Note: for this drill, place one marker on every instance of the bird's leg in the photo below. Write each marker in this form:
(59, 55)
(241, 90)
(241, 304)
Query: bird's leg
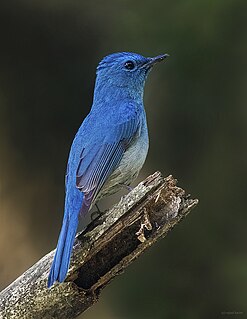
(96, 214)
(98, 209)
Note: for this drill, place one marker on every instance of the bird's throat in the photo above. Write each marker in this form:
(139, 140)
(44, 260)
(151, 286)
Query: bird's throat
(111, 92)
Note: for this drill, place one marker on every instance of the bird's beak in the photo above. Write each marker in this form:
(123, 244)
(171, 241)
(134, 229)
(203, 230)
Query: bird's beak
(154, 60)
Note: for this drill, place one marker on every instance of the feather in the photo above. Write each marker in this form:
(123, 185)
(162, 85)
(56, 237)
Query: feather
(98, 161)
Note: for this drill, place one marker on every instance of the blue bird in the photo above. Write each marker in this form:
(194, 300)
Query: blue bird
(109, 148)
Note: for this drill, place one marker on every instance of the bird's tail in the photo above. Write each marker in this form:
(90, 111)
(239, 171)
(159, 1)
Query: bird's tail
(61, 260)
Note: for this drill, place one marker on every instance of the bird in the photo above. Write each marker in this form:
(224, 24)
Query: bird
(110, 147)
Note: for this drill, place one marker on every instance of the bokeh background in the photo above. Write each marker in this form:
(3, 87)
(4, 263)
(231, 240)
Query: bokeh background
(197, 116)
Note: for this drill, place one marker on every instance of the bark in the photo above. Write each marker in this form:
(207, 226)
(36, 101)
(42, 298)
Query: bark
(101, 252)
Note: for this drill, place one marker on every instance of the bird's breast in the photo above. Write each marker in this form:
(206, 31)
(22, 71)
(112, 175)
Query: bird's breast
(134, 157)
(131, 163)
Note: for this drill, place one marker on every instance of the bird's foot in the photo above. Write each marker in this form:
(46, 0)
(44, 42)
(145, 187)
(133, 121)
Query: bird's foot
(96, 214)
(129, 188)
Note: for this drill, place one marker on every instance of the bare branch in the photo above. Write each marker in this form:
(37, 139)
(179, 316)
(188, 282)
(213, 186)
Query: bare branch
(101, 252)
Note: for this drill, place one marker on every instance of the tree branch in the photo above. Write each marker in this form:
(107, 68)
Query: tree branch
(102, 251)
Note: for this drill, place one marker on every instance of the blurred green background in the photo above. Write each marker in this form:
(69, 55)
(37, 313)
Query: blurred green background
(197, 116)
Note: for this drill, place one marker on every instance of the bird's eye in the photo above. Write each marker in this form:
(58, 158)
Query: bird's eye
(129, 65)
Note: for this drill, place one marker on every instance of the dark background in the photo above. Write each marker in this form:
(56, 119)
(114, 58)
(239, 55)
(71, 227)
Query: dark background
(197, 116)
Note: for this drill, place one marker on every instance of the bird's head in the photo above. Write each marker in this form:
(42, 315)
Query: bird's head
(125, 70)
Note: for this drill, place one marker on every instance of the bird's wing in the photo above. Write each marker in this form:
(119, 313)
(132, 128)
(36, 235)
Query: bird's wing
(99, 159)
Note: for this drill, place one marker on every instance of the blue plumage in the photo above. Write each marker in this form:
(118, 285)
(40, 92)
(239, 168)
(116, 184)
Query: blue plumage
(109, 148)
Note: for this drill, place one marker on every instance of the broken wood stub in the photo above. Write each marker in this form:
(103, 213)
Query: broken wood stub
(148, 220)
(102, 251)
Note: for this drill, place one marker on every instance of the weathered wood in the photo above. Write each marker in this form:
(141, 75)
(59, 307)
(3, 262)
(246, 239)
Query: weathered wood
(101, 252)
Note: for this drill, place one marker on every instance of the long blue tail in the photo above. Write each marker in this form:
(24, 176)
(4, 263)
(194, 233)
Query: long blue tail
(61, 260)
